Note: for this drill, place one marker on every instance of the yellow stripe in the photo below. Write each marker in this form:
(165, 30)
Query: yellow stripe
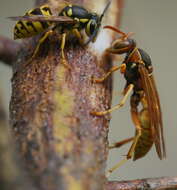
(88, 28)
(44, 12)
(64, 14)
(83, 20)
(19, 26)
(38, 26)
(30, 29)
(29, 12)
(69, 12)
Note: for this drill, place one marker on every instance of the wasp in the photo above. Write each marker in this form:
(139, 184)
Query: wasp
(144, 101)
(71, 19)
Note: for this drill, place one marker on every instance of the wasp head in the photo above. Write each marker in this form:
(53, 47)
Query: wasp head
(94, 24)
(123, 44)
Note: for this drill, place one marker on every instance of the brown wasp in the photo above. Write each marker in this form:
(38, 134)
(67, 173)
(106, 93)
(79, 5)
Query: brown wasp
(137, 70)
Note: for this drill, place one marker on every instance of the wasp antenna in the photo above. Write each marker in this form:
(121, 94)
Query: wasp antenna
(12, 18)
(105, 9)
(116, 30)
(129, 34)
(124, 35)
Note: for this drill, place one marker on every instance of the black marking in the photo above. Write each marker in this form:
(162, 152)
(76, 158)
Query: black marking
(23, 26)
(36, 11)
(80, 12)
(18, 31)
(77, 11)
(47, 9)
(93, 26)
(45, 25)
(32, 26)
(131, 73)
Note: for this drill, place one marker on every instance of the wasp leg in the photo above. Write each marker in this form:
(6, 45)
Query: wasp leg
(116, 167)
(64, 61)
(100, 80)
(136, 121)
(79, 36)
(121, 143)
(41, 40)
(120, 163)
(113, 69)
(122, 102)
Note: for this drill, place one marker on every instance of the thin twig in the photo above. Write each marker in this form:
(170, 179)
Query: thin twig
(162, 183)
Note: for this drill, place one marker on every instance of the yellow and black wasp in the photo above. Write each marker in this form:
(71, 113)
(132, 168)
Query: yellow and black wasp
(71, 19)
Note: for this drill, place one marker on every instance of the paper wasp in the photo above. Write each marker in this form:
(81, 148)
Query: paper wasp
(137, 70)
(71, 19)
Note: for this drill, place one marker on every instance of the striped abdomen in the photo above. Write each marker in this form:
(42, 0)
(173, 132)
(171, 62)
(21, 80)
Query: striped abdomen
(145, 141)
(25, 29)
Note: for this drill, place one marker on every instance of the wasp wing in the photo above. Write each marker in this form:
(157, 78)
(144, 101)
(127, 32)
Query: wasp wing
(42, 18)
(154, 110)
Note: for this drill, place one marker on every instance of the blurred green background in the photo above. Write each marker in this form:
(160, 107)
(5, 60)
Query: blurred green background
(155, 28)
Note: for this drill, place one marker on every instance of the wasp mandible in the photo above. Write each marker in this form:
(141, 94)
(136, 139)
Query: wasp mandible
(137, 70)
(71, 19)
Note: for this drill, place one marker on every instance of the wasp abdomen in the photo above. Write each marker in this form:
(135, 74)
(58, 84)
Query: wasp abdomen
(25, 29)
(145, 141)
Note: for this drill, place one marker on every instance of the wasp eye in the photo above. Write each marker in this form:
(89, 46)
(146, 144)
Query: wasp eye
(91, 26)
(119, 43)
